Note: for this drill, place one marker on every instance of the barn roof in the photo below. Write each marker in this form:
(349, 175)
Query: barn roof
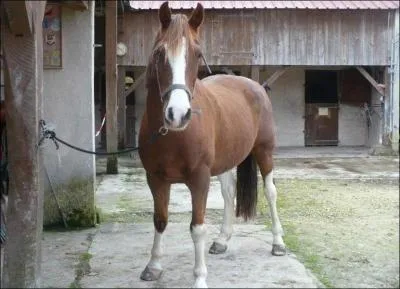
(348, 5)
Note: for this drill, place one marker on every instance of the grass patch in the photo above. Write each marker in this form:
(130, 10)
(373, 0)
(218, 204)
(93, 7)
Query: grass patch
(82, 269)
(76, 200)
(300, 248)
(292, 236)
(330, 224)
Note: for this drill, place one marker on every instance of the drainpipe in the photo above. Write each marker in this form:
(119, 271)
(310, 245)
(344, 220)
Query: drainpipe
(394, 85)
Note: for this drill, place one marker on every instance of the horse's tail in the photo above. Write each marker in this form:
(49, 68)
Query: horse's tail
(246, 188)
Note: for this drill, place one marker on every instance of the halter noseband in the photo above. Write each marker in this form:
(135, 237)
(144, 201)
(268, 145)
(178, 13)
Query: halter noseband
(175, 86)
(163, 95)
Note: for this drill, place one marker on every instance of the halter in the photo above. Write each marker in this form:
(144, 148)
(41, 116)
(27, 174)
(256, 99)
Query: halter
(173, 86)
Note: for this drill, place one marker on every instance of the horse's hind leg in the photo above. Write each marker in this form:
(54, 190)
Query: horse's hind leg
(160, 191)
(228, 183)
(265, 162)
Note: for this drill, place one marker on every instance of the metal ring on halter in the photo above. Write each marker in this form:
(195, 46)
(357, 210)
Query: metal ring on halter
(176, 86)
(163, 130)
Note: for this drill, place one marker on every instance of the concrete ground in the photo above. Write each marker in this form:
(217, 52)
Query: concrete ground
(113, 254)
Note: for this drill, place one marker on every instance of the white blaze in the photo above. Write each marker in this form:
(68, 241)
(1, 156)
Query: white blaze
(179, 100)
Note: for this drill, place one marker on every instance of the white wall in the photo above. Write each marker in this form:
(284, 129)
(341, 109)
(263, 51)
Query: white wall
(68, 104)
(375, 130)
(353, 130)
(287, 97)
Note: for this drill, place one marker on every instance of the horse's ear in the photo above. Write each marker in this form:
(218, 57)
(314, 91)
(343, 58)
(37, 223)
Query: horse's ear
(197, 16)
(164, 13)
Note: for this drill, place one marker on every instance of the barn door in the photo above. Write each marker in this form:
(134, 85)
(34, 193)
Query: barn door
(321, 116)
(321, 124)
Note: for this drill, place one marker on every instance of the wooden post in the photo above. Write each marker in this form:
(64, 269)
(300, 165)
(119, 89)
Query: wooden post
(121, 108)
(111, 85)
(255, 73)
(23, 53)
(387, 109)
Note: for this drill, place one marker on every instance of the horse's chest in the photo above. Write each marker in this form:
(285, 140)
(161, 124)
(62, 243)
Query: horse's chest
(169, 166)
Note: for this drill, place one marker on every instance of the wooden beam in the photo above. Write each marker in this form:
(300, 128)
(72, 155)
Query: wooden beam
(23, 94)
(255, 73)
(19, 15)
(275, 76)
(121, 108)
(137, 82)
(111, 85)
(380, 88)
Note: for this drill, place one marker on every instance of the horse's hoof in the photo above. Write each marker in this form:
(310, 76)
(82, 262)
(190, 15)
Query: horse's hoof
(278, 250)
(150, 274)
(217, 248)
(200, 283)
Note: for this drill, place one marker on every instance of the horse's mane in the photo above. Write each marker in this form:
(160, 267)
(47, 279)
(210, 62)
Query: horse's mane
(172, 36)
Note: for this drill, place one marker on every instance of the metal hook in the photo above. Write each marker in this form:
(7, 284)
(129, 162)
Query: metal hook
(163, 130)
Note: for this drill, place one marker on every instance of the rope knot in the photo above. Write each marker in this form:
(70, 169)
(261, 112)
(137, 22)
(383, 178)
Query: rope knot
(47, 132)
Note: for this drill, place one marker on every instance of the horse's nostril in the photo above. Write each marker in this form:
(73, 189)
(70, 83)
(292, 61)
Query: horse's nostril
(188, 114)
(170, 114)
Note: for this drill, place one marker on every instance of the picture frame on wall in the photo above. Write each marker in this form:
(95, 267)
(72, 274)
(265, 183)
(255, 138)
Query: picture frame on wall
(52, 37)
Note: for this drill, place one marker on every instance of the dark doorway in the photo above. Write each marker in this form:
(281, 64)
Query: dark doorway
(321, 96)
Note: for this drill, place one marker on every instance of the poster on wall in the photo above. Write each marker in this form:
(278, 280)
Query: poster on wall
(52, 46)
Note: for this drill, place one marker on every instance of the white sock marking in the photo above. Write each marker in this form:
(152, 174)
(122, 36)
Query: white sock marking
(271, 195)
(200, 270)
(156, 252)
(228, 191)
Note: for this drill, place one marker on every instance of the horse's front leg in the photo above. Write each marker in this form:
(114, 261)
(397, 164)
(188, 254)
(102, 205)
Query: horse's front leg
(198, 184)
(228, 190)
(160, 191)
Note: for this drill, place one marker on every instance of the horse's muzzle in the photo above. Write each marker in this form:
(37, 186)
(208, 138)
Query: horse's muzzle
(174, 121)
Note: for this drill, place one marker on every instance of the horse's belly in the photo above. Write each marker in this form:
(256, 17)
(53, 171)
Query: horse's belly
(232, 153)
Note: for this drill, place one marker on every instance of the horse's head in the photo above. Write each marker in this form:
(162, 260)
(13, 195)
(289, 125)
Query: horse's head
(174, 64)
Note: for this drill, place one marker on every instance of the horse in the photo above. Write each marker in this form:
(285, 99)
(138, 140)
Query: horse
(203, 128)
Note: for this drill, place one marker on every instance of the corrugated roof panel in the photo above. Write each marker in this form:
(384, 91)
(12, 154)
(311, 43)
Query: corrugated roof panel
(258, 4)
(299, 4)
(329, 5)
(150, 5)
(375, 4)
(384, 3)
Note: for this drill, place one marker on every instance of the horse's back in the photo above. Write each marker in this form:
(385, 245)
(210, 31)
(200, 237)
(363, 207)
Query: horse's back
(245, 92)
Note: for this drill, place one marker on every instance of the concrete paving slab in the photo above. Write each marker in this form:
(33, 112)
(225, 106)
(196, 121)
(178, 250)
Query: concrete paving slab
(121, 251)
(60, 256)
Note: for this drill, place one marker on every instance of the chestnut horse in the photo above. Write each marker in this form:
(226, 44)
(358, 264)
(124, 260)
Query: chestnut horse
(233, 127)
